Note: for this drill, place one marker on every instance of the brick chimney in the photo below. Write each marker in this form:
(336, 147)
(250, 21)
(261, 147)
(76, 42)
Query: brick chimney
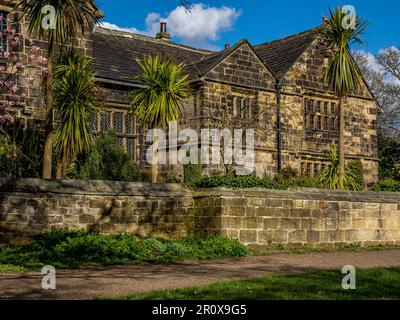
(227, 46)
(163, 34)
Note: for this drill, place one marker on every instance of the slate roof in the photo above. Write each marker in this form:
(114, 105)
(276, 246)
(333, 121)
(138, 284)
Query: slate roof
(280, 55)
(115, 53)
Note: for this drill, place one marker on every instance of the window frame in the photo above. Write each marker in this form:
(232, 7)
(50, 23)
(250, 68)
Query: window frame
(123, 136)
(319, 114)
(3, 26)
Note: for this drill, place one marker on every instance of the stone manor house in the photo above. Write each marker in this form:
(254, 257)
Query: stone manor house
(245, 85)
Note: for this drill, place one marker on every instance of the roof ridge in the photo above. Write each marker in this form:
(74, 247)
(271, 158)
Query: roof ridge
(132, 35)
(289, 37)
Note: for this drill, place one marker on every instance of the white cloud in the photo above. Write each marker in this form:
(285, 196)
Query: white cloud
(200, 27)
(374, 64)
(108, 25)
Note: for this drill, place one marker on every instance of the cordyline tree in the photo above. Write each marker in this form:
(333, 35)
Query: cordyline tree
(75, 92)
(159, 102)
(71, 18)
(12, 72)
(342, 73)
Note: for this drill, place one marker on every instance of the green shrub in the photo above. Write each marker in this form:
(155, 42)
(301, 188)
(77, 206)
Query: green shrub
(329, 178)
(356, 167)
(21, 152)
(65, 249)
(389, 156)
(192, 172)
(289, 173)
(235, 182)
(108, 161)
(281, 182)
(388, 185)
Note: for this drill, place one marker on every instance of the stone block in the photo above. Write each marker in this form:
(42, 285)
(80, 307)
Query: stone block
(252, 223)
(313, 236)
(300, 213)
(351, 235)
(360, 223)
(271, 223)
(87, 218)
(237, 211)
(297, 236)
(268, 237)
(290, 223)
(337, 236)
(255, 202)
(248, 236)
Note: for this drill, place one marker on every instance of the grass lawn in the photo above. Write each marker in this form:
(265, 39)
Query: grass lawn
(68, 250)
(372, 284)
(7, 268)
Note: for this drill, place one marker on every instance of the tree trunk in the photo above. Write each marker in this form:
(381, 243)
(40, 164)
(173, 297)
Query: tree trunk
(48, 143)
(154, 165)
(59, 173)
(342, 160)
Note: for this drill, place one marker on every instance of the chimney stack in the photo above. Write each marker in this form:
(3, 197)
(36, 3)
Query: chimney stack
(163, 34)
(227, 46)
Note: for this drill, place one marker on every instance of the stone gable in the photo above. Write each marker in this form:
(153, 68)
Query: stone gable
(243, 68)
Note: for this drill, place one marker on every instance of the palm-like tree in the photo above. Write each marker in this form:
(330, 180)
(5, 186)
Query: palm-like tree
(342, 73)
(159, 102)
(74, 92)
(72, 17)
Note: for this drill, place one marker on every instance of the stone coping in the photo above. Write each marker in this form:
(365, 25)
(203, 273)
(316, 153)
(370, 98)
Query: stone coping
(107, 188)
(120, 188)
(304, 194)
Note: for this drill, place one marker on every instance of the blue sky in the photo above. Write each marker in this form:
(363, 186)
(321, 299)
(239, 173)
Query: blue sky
(217, 22)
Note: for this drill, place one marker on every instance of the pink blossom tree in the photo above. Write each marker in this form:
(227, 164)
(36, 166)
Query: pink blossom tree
(14, 80)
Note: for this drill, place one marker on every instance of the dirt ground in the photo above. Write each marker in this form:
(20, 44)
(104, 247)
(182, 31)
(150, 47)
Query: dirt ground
(90, 283)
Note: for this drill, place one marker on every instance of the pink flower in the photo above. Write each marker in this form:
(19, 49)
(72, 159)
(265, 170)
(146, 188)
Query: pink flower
(7, 55)
(42, 60)
(34, 49)
(19, 66)
(45, 71)
(5, 118)
(14, 89)
(22, 97)
(30, 80)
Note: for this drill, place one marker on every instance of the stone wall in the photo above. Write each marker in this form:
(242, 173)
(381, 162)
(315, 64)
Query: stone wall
(316, 218)
(29, 207)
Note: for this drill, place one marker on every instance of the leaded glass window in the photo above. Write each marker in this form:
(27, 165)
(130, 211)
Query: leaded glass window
(3, 27)
(105, 123)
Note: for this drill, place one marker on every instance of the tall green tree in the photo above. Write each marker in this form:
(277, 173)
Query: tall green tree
(342, 73)
(74, 97)
(71, 18)
(159, 101)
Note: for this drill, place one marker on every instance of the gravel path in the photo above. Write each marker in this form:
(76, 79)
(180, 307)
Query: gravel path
(89, 283)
